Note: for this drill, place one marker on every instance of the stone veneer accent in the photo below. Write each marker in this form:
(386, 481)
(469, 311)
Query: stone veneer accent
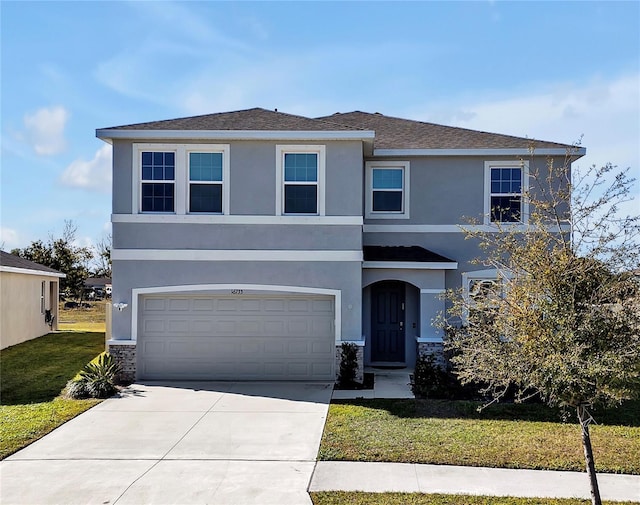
(125, 356)
(360, 358)
(435, 349)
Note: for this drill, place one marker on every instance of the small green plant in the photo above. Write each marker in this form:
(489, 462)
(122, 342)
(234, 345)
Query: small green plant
(348, 365)
(96, 380)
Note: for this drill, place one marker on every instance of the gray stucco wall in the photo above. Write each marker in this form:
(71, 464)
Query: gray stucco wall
(450, 190)
(233, 236)
(253, 176)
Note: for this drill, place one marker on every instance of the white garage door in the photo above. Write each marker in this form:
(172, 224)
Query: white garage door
(238, 337)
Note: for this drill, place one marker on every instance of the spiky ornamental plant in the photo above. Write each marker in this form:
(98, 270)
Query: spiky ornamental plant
(562, 319)
(96, 379)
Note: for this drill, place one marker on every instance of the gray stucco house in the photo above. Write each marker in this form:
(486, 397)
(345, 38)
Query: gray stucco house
(251, 244)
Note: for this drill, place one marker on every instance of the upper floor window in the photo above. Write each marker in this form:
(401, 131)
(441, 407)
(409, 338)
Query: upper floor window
(158, 181)
(181, 178)
(387, 194)
(205, 182)
(505, 185)
(300, 174)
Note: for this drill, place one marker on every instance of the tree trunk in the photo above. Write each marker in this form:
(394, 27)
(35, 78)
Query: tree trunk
(584, 418)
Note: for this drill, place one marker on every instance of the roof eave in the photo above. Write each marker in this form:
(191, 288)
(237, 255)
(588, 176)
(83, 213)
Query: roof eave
(109, 134)
(574, 152)
(30, 271)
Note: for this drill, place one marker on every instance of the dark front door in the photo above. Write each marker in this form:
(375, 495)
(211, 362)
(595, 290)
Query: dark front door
(387, 322)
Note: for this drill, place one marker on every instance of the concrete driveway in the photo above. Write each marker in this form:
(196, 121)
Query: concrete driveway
(178, 443)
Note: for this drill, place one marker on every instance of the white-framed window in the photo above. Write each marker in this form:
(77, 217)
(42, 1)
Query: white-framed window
(505, 184)
(482, 286)
(42, 296)
(300, 180)
(387, 189)
(157, 181)
(206, 182)
(181, 178)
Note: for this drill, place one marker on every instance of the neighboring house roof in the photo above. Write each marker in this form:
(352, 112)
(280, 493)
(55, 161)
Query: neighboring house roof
(16, 264)
(397, 133)
(401, 253)
(97, 282)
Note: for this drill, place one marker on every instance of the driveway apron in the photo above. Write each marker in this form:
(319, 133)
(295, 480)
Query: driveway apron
(178, 443)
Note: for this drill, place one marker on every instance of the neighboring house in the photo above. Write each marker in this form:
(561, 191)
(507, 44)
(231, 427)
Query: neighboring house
(28, 299)
(251, 244)
(98, 286)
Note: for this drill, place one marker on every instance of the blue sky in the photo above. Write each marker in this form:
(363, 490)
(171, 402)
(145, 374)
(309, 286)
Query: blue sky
(550, 70)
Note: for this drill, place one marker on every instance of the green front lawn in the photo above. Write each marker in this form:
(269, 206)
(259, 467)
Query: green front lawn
(33, 375)
(454, 433)
(358, 498)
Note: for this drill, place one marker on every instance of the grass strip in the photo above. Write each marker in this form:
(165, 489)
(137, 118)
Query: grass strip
(454, 433)
(359, 498)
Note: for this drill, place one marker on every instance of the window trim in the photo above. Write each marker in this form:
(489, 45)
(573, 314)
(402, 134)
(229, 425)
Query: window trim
(370, 166)
(181, 176)
(281, 150)
(524, 204)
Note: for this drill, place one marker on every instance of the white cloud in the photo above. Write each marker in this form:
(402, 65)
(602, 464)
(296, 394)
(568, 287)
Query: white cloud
(45, 130)
(606, 113)
(93, 175)
(9, 238)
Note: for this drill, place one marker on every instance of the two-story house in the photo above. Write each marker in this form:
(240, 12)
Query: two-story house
(251, 244)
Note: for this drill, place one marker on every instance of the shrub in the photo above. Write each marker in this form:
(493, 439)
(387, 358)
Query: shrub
(96, 380)
(348, 365)
(429, 379)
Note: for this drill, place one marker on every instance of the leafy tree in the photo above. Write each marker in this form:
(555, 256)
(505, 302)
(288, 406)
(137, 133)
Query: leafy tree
(64, 255)
(562, 318)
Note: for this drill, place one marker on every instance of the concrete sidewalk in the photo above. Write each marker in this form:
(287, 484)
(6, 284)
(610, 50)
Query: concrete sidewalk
(414, 478)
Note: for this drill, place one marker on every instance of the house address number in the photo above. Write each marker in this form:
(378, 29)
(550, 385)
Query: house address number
(237, 291)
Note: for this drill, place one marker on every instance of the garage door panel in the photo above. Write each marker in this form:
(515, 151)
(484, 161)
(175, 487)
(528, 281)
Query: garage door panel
(298, 306)
(274, 305)
(261, 337)
(250, 305)
(202, 304)
(152, 326)
(178, 326)
(153, 304)
(227, 304)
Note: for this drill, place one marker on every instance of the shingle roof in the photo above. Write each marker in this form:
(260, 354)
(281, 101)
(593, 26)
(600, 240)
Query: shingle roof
(249, 119)
(397, 133)
(10, 260)
(402, 253)
(97, 281)
(390, 132)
